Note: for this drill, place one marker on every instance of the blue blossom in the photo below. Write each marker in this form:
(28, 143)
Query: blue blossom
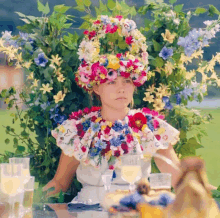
(24, 36)
(121, 137)
(41, 60)
(165, 99)
(117, 126)
(100, 144)
(125, 126)
(178, 99)
(54, 112)
(105, 19)
(132, 200)
(45, 105)
(30, 40)
(165, 200)
(86, 125)
(115, 142)
(114, 175)
(186, 92)
(150, 125)
(94, 151)
(166, 53)
(54, 108)
(95, 127)
(6, 35)
(149, 117)
(168, 106)
(60, 118)
(127, 131)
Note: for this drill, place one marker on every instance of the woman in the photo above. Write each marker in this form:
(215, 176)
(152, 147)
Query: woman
(93, 140)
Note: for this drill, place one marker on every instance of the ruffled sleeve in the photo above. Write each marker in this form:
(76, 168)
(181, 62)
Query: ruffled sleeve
(158, 134)
(69, 140)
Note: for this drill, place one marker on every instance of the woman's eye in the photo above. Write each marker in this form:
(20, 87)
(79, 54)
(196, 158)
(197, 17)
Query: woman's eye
(111, 82)
(128, 81)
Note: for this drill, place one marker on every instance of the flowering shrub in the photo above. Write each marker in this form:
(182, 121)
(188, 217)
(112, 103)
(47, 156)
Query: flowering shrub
(51, 59)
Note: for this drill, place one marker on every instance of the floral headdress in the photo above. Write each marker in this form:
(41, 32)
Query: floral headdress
(112, 47)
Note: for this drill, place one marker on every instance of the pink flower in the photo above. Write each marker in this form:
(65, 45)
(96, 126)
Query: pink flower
(158, 137)
(129, 64)
(92, 34)
(146, 110)
(129, 138)
(119, 55)
(125, 74)
(84, 77)
(156, 124)
(129, 40)
(119, 17)
(97, 22)
(112, 75)
(161, 117)
(117, 153)
(111, 167)
(154, 113)
(114, 29)
(108, 28)
(86, 110)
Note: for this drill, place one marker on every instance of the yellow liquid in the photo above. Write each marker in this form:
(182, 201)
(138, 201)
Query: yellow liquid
(131, 173)
(28, 198)
(25, 172)
(9, 185)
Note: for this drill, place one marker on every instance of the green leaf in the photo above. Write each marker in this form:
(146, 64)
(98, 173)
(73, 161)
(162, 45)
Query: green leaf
(15, 141)
(98, 12)
(157, 62)
(79, 2)
(61, 197)
(87, 3)
(20, 14)
(61, 8)
(133, 11)
(157, 46)
(45, 9)
(200, 10)
(111, 4)
(213, 10)
(218, 190)
(7, 141)
(172, 1)
(147, 22)
(178, 8)
(85, 25)
(102, 7)
(80, 8)
(21, 148)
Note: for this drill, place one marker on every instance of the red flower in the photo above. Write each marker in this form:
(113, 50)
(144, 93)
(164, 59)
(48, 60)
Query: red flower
(156, 124)
(73, 115)
(138, 120)
(119, 55)
(107, 130)
(143, 73)
(129, 64)
(83, 148)
(129, 40)
(97, 22)
(146, 110)
(108, 28)
(92, 34)
(99, 135)
(79, 127)
(84, 64)
(114, 29)
(125, 74)
(124, 146)
(117, 153)
(93, 109)
(107, 149)
(158, 137)
(121, 63)
(129, 138)
(79, 114)
(81, 133)
(142, 148)
(111, 167)
(93, 118)
(86, 110)
(119, 17)
(86, 32)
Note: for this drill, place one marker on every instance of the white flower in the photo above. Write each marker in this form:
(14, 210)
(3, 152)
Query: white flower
(208, 22)
(171, 14)
(176, 21)
(6, 35)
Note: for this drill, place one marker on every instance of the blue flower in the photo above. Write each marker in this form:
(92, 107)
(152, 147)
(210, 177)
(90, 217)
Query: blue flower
(45, 105)
(117, 126)
(60, 118)
(105, 19)
(24, 36)
(127, 131)
(149, 117)
(86, 125)
(166, 52)
(168, 106)
(6, 35)
(100, 144)
(132, 200)
(178, 99)
(115, 142)
(150, 125)
(54, 109)
(94, 151)
(165, 200)
(186, 92)
(41, 60)
(165, 99)
(121, 137)
(114, 175)
(95, 127)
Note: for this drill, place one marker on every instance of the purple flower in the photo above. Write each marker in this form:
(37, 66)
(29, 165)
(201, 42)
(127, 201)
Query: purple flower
(168, 105)
(86, 125)
(178, 99)
(41, 60)
(115, 142)
(166, 53)
(24, 36)
(60, 118)
(117, 126)
(186, 92)
(100, 144)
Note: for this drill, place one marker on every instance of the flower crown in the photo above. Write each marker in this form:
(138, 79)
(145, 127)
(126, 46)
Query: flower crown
(112, 47)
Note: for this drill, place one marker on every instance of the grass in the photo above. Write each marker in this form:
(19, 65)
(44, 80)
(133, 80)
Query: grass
(210, 152)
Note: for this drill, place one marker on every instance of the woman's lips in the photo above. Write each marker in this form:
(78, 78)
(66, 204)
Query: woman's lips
(121, 98)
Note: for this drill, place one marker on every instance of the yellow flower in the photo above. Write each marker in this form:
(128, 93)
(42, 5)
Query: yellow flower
(148, 97)
(18, 66)
(46, 88)
(150, 74)
(62, 129)
(143, 127)
(59, 97)
(102, 76)
(6, 100)
(27, 64)
(31, 75)
(66, 90)
(35, 82)
(113, 62)
(158, 104)
(169, 68)
(151, 89)
(161, 131)
(56, 60)
(60, 78)
(109, 123)
(1, 42)
(98, 119)
(103, 127)
(168, 36)
(19, 57)
(190, 74)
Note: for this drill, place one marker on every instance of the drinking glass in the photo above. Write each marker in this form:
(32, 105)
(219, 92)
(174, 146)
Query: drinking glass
(131, 169)
(11, 185)
(160, 181)
(107, 179)
(26, 166)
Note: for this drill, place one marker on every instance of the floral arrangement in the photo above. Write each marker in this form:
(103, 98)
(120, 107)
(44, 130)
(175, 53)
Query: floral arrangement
(89, 137)
(101, 52)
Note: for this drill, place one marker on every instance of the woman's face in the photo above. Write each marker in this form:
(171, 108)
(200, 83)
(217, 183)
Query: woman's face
(117, 93)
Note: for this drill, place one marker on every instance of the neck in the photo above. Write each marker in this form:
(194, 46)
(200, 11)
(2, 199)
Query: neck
(113, 114)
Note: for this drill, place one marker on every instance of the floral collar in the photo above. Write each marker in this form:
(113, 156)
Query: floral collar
(103, 139)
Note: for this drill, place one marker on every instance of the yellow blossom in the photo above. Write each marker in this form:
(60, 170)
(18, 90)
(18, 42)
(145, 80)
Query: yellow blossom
(158, 69)
(169, 68)
(190, 74)
(18, 66)
(62, 129)
(56, 59)
(148, 97)
(113, 62)
(198, 54)
(204, 77)
(31, 75)
(19, 57)
(143, 127)
(102, 76)
(168, 36)
(150, 74)
(59, 97)
(103, 127)
(161, 131)
(60, 78)
(109, 123)
(27, 64)
(98, 119)
(65, 90)
(1, 42)
(158, 104)
(151, 89)
(35, 82)
(57, 71)
(46, 88)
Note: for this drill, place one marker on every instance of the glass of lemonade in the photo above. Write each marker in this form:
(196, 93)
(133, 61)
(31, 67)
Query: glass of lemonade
(29, 192)
(12, 186)
(131, 169)
(26, 166)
